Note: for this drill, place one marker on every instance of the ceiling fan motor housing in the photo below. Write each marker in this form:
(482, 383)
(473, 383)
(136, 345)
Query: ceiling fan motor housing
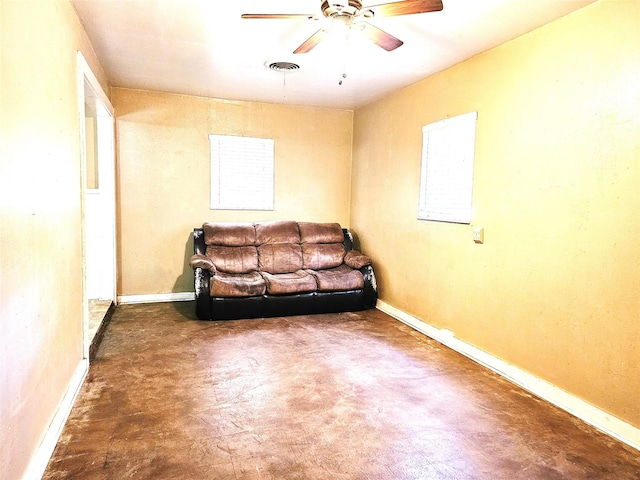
(335, 9)
(345, 14)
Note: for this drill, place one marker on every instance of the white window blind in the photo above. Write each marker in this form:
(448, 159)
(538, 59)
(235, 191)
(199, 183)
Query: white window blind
(446, 177)
(241, 173)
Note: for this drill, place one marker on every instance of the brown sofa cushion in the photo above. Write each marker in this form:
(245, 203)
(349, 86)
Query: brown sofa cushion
(229, 234)
(296, 282)
(280, 258)
(234, 259)
(355, 259)
(237, 285)
(339, 278)
(277, 232)
(323, 255)
(320, 232)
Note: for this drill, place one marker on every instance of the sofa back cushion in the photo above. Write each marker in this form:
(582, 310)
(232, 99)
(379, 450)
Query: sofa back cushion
(234, 259)
(229, 234)
(319, 256)
(280, 257)
(277, 232)
(320, 232)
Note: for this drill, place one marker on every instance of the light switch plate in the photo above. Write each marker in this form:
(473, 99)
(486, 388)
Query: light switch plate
(478, 235)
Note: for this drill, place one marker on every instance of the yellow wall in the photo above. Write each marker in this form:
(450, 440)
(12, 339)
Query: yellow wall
(163, 176)
(40, 220)
(555, 289)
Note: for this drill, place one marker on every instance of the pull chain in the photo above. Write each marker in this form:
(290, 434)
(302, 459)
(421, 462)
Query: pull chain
(343, 56)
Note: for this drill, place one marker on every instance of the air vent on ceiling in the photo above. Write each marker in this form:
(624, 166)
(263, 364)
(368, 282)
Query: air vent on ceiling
(283, 66)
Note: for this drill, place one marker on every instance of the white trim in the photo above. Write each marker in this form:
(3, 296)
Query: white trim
(95, 84)
(590, 414)
(107, 172)
(157, 298)
(82, 68)
(40, 459)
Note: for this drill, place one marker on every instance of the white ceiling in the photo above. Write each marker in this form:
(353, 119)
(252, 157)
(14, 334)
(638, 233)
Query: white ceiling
(204, 48)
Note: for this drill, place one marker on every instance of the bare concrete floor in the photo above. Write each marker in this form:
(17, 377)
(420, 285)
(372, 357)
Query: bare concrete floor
(338, 396)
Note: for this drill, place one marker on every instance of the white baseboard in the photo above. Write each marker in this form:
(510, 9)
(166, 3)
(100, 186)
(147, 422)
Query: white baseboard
(158, 297)
(594, 416)
(40, 460)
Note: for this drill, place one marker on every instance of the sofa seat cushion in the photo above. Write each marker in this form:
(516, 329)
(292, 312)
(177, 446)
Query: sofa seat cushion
(233, 259)
(237, 285)
(296, 282)
(339, 278)
(280, 258)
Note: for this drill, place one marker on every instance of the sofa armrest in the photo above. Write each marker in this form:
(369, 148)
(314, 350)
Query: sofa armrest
(202, 261)
(356, 260)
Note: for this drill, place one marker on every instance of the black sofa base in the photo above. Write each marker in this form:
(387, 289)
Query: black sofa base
(285, 305)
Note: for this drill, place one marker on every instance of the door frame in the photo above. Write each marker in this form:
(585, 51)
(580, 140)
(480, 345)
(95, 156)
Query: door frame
(85, 74)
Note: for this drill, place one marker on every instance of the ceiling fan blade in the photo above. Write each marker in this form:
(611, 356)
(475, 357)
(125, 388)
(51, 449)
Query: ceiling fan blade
(311, 42)
(279, 15)
(406, 7)
(381, 38)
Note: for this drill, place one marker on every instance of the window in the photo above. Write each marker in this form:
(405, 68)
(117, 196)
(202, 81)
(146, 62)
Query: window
(446, 177)
(241, 173)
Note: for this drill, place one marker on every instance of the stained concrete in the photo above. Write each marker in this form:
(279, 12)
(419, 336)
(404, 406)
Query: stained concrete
(337, 396)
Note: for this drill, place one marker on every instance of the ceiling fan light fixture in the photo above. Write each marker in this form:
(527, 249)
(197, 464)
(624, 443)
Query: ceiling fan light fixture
(339, 8)
(343, 14)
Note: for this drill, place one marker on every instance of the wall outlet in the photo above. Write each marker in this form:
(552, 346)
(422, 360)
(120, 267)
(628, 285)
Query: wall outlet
(478, 235)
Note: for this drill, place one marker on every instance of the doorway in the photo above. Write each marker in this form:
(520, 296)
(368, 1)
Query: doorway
(99, 206)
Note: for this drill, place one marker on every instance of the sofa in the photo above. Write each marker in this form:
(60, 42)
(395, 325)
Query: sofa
(268, 269)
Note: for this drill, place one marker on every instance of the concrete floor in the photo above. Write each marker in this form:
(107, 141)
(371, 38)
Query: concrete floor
(337, 396)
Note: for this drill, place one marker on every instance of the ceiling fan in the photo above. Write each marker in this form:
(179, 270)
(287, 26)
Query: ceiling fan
(351, 14)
